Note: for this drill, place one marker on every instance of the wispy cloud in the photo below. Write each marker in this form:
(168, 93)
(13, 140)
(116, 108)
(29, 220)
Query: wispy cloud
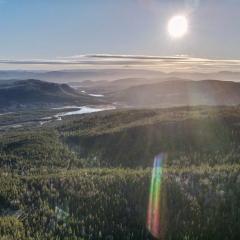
(117, 56)
(161, 63)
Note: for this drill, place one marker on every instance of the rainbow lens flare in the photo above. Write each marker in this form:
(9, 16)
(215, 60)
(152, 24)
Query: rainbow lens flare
(153, 214)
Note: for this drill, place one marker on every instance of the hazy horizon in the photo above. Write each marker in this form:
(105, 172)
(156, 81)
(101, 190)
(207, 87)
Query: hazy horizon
(138, 62)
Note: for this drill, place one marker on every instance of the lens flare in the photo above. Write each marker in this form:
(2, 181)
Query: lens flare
(153, 214)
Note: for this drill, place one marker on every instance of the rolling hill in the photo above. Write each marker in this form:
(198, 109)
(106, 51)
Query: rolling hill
(32, 93)
(180, 93)
(81, 177)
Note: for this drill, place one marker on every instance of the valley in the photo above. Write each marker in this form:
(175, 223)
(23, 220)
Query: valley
(78, 162)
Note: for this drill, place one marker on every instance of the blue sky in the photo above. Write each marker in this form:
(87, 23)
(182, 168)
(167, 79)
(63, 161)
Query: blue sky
(49, 29)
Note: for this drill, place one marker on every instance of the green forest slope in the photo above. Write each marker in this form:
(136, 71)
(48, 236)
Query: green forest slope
(88, 176)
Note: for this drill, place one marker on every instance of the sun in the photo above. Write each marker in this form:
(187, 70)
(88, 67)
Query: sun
(178, 26)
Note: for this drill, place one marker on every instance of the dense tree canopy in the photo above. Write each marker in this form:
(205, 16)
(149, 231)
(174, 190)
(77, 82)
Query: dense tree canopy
(89, 177)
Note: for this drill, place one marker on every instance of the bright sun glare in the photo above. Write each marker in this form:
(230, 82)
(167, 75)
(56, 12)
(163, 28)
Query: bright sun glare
(177, 26)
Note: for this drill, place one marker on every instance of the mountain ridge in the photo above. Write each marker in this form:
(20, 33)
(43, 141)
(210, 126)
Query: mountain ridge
(80, 75)
(181, 93)
(37, 93)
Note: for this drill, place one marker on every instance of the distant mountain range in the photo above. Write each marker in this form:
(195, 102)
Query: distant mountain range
(180, 93)
(32, 93)
(127, 92)
(65, 76)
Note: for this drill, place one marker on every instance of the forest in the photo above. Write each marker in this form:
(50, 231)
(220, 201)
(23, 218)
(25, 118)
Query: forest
(91, 176)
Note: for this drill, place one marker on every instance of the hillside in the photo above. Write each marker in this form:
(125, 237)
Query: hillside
(32, 93)
(180, 93)
(131, 138)
(81, 177)
(126, 138)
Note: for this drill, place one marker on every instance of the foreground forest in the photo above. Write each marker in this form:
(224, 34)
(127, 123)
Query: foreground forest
(89, 176)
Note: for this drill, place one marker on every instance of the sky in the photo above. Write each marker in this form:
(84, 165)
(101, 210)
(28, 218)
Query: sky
(68, 30)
